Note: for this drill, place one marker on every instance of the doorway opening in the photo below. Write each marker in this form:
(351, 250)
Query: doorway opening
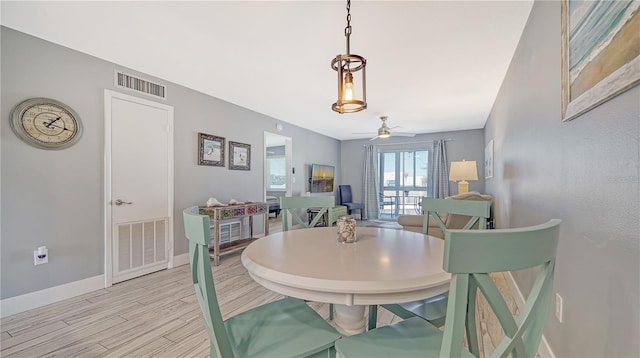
(278, 170)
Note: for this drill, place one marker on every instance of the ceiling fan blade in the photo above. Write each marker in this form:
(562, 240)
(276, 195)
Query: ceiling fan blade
(401, 134)
(386, 131)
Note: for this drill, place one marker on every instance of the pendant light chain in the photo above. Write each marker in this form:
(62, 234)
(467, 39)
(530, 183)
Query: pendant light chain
(347, 30)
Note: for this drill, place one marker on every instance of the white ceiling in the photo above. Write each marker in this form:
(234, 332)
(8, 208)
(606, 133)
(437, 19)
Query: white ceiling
(432, 66)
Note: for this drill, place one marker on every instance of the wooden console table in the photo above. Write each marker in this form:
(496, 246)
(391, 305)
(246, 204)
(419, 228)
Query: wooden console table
(219, 213)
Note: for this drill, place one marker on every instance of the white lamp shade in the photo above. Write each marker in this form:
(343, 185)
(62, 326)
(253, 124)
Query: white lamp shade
(464, 170)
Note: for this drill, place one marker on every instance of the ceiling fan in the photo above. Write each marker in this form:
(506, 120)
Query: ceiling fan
(385, 132)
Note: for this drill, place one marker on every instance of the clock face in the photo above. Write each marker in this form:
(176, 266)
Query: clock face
(46, 123)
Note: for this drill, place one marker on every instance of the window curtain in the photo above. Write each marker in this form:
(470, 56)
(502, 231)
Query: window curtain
(440, 172)
(370, 185)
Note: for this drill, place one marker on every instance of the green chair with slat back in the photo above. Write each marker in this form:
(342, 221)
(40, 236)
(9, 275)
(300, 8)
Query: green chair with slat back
(477, 212)
(284, 328)
(470, 255)
(434, 309)
(294, 204)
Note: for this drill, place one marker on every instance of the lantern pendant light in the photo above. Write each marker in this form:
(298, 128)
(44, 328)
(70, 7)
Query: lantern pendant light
(349, 68)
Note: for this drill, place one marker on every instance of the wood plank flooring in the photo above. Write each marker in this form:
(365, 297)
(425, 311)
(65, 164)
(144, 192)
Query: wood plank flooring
(156, 315)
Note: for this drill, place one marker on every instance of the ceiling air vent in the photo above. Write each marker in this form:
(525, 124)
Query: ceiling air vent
(137, 84)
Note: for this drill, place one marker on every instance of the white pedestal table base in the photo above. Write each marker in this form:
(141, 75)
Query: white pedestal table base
(350, 320)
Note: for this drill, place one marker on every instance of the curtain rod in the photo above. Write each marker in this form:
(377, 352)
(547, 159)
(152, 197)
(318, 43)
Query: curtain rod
(418, 142)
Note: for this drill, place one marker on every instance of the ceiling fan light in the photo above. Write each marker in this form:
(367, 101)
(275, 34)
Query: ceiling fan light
(384, 132)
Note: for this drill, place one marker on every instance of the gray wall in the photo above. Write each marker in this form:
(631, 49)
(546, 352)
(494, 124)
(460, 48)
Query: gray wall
(55, 198)
(585, 172)
(467, 145)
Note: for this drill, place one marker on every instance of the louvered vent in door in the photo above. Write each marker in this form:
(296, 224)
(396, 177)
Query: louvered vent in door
(141, 248)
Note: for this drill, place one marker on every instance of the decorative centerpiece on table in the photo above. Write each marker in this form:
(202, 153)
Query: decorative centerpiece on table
(346, 229)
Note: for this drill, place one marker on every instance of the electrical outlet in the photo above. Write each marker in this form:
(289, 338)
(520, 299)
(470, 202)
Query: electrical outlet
(41, 256)
(559, 307)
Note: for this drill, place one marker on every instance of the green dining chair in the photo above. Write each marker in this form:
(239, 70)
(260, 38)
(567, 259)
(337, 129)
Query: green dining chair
(284, 328)
(470, 255)
(434, 309)
(295, 204)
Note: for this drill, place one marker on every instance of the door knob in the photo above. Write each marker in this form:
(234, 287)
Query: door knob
(120, 202)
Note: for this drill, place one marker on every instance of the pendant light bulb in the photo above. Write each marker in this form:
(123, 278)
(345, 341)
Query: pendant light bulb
(348, 87)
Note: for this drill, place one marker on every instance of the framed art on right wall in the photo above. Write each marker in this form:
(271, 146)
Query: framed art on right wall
(600, 52)
(488, 160)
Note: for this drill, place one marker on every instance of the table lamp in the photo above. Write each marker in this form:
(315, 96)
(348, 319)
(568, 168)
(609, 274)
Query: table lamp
(461, 172)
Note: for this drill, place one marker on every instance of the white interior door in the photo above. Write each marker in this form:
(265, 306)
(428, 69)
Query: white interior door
(139, 193)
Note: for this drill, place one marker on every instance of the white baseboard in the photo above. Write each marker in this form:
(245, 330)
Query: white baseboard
(12, 305)
(180, 260)
(544, 350)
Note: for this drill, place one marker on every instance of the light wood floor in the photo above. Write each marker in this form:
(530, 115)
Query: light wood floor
(156, 315)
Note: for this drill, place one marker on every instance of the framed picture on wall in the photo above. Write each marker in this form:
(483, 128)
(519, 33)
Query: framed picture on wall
(600, 52)
(210, 150)
(488, 160)
(239, 156)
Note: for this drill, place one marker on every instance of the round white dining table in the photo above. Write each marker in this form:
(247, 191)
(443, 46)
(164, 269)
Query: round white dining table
(382, 266)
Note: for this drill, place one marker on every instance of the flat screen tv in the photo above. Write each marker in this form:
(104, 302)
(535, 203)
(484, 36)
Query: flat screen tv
(322, 178)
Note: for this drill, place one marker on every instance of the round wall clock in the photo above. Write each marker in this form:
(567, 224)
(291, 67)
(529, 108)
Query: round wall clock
(46, 123)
